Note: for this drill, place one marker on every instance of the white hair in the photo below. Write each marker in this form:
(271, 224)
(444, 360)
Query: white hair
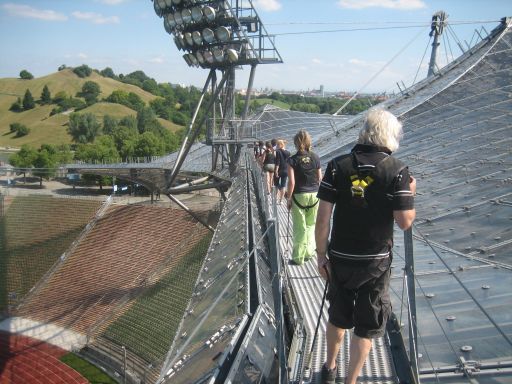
(381, 128)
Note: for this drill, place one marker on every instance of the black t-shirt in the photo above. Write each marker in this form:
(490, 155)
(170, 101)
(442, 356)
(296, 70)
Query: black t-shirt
(305, 167)
(270, 158)
(365, 231)
(282, 156)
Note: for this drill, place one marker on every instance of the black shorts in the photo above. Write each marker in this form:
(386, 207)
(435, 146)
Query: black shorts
(359, 296)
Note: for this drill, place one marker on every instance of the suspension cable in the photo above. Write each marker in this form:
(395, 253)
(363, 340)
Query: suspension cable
(379, 72)
(421, 62)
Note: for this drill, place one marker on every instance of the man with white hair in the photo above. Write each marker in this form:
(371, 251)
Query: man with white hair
(368, 190)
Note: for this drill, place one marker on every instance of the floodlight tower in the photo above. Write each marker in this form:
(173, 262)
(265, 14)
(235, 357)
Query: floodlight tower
(218, 35)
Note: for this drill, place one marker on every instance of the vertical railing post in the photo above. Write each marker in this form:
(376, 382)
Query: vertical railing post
(411, 295)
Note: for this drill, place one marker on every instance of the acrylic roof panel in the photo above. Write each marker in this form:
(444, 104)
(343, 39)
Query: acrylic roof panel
(458, 145)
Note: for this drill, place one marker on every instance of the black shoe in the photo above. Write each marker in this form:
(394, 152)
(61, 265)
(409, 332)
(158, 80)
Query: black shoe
(328, 376)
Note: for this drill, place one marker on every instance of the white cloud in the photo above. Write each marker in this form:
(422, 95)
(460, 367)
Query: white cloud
(33, 13)
(82, 55)
(96, 18)
(391, 4)
(157, 60)
(267, 5)
(316, 61)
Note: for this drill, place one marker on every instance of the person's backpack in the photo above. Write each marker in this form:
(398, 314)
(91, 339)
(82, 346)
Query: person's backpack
(307, 168)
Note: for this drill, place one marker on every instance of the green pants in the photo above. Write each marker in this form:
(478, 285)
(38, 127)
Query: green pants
(304, 227)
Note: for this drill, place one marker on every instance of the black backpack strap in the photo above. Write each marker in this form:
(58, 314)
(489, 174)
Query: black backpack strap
(306, 208)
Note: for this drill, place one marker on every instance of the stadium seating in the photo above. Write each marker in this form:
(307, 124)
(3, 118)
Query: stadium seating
(34, 232)
(111, 265)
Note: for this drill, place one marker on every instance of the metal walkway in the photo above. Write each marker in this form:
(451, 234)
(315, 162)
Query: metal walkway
(308, 287)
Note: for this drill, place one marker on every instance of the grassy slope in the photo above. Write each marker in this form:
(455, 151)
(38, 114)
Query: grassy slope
(52, 129)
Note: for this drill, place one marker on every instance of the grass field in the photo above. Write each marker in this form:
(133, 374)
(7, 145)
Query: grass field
(277, 103)
(87, 370)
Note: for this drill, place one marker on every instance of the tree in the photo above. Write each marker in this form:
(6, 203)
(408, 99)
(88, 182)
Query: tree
(45, 163)
(17, 106)
(83, 128)
(90, 92)
(61, 67)
(148, 144)
(82, 71)
(145, 116)
(26, 75)
(108, 72)
(109, 124)
(28, 101)
(103, 150)
(124, 139)
(151, 86)
(19, 129)
(24, 158)
(46, 96)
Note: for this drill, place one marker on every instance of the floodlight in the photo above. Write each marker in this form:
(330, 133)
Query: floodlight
(176, 1)
(178, 40)
(158, 8)
(177, 18)
(168, 3)
(200, 57)
(181, 41)
(193, 59)
(197, 37)
(187, 59)
(197, 14)
(170, 20)
(208, 56)
(218, 55)
(208, 35)
(167, 27)
(209, 13)
(188, 38)
(232, 55)
(222, 34)
(186, 15)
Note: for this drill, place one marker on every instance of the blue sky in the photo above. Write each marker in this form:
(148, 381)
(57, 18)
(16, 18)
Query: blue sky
(127, 35)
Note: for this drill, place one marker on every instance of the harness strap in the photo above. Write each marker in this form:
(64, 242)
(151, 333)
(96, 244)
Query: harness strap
(306, 208)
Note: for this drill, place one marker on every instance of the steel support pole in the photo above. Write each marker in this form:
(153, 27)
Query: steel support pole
(411, 294)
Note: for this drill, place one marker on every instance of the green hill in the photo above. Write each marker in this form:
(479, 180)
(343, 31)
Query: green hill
(52, 129)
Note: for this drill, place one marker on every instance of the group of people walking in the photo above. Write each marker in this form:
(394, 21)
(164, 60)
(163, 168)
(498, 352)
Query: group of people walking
(363, 192)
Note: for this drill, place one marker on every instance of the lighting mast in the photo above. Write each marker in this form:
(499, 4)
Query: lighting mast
(438, 23)
(220, 36)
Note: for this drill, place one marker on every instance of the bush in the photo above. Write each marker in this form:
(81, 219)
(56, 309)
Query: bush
(82, 71)
(179, 118)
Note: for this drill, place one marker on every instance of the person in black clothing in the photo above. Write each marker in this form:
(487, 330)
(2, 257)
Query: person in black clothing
(269, 164)
(369, 190)
(281, 171)
(305, 173)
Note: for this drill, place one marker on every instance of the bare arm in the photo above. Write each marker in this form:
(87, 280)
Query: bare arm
(322, 229)
(404, 219)
(291, 186)
(319, 174)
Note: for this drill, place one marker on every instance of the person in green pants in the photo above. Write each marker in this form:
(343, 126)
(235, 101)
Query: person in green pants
(304, 176)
